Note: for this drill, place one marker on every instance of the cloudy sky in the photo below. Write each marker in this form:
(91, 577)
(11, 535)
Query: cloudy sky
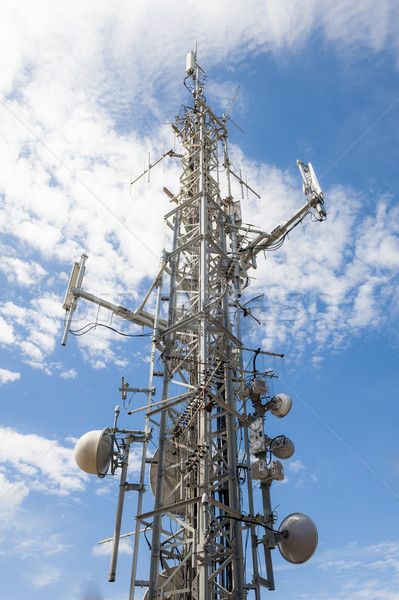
(87, 90)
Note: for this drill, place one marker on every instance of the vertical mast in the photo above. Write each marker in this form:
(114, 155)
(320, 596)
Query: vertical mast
(198, 351)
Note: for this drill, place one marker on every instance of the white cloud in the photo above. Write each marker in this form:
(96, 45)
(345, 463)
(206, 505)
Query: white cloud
(70, 374)
(12, 495)
(362, 572)
(32, 352)
(382, 555)
(36, 325)
(295, 465)
(23, 273)
(7, 335)
(297, 474)
(42, 464)
(43, 546)
(354, 572)
(105, 549)
(7, 376)
(45, 575)
(373, 33)
(104, 490)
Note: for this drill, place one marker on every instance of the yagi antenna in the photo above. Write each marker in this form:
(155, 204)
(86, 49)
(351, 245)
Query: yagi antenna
(170, 153)
(231, 102)
(225, 116)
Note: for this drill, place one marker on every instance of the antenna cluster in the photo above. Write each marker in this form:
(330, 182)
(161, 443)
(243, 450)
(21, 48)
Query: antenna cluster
(214, 464)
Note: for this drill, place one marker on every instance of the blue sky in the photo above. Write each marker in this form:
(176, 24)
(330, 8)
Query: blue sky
(85, 90)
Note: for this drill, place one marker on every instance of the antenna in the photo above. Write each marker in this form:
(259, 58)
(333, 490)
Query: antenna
(298, 538)
(98, 451)
(72, 294)
(312, 189)
(231, 102)
(209, 492)
(147, 170)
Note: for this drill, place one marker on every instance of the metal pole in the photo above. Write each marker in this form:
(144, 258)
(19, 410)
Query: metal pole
(147, 430)
(157, 524)
(202, 357)
(119, 509)
(237, 288)
(268, 542)
(234, 497)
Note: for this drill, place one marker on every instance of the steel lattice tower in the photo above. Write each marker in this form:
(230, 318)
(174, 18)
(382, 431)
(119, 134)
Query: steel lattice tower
(200, 341)
(202, 481)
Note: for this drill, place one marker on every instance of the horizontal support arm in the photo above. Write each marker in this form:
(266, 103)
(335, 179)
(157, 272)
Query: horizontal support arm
(139, 317)
(315, 201)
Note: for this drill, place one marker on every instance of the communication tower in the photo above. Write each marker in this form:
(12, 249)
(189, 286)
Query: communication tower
(208, 421)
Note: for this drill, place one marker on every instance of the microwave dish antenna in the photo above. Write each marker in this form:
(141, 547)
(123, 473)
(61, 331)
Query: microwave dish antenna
(282, 447)
(280, 405)
(299, 538)
(93, 452)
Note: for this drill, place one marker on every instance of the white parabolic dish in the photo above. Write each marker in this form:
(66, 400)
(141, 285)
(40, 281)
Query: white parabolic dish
(93, 452)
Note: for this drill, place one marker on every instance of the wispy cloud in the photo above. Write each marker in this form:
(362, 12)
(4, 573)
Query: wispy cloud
(105, 549)
(70, 374)
(19, 272)
(39, 463)
(7, 376)
(45, 575)
(12, 495)
(362, 572)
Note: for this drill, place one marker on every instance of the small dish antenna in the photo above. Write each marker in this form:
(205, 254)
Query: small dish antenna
(93, 452)
(298, 538)
(281, 405)
(282, 447)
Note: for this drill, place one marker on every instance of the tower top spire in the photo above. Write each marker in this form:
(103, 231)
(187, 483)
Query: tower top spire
(196, 74)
